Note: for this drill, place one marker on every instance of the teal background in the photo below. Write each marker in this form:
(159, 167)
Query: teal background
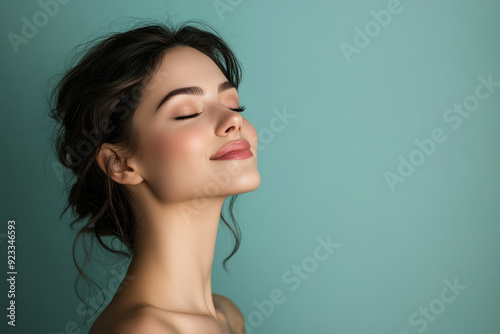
(322, 173)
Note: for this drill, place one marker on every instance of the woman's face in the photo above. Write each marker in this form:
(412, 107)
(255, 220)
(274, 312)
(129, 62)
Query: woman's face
(176, 153)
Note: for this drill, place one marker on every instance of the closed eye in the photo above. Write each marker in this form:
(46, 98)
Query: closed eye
(239, 109)
(180, 118)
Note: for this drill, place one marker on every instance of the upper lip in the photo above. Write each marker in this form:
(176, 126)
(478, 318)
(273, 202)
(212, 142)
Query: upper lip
(237, 145)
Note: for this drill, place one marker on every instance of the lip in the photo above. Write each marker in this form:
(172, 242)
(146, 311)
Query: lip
(239, 149)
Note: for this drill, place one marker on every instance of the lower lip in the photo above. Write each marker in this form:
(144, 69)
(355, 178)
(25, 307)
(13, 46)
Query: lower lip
(236, 155)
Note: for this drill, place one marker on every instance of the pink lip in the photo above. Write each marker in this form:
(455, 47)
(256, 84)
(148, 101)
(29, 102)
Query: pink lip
(234, 150)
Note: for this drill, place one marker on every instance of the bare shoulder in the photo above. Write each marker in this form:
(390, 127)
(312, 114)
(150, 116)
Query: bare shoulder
(138, 322)
(232, 312)
(144, 323)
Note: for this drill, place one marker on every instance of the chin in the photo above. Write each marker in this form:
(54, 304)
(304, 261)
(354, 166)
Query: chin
(244, 183)
(250, 183)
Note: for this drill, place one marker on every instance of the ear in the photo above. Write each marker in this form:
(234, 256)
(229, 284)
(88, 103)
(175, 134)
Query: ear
(121, 169)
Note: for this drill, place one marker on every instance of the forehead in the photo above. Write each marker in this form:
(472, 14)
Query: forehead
(184, 65)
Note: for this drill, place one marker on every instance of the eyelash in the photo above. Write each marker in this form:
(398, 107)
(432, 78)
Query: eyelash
(239, 109)
(180, 118)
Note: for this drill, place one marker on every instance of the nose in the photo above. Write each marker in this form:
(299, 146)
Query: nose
(230, 122)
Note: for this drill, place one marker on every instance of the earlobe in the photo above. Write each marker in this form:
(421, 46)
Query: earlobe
(121, 170)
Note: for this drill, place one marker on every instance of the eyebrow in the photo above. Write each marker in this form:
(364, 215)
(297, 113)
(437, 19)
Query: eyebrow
(193, 91)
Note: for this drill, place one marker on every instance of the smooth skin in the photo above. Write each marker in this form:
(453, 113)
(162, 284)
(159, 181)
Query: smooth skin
(178, 201)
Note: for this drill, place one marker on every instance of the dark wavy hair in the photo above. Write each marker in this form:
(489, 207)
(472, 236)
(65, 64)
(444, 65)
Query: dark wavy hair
(94, 103)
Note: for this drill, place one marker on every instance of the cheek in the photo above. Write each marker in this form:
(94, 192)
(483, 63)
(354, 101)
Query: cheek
(182, 146)
(175, 160)
(175, 151)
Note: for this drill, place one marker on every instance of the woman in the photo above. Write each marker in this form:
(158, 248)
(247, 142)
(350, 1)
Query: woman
(151, 126)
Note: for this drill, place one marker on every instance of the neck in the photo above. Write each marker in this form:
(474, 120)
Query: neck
(173, 254)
